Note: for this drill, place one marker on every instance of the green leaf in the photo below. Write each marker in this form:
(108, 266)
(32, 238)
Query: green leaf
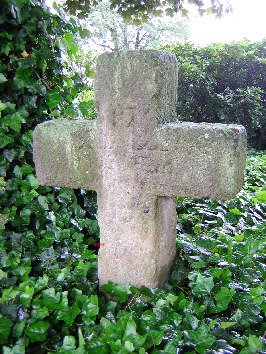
(74, 49)
(203, 285)
(69, 344)
(156, 336)
(6, 35)
(5, 327)
(53, 99)
(89, 306)
(32, 181)
(251, 247)
(5, 139)
(10, 154)
(70, 111)
(18, 329)
(202, 338)
(14, 121)
(54, 301)
(43, 202)
(69, 38)
(223, 297)
(69, 314)
(84, 108)
(235, 211)
(26, 296)
(2, 274)
(2, 78)
(125, 330)
(2, 106)
(121, 291)
(261, 198)
(263, 308)
(253, 345)
(256, 295)
(16, 349)
(25, 168)
(81, 338)
(43, 64)
(227, 324)
(25, 216)
(37, 331)
(39, 313)
(84, 32)
(190, 322)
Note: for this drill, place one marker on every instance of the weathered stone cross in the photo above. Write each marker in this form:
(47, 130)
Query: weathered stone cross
(138, 159)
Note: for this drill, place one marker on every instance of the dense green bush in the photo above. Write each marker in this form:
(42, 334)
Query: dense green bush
(224, 83)
(35, 84)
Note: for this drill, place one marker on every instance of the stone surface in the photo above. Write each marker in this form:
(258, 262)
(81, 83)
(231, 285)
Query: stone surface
(139, 159)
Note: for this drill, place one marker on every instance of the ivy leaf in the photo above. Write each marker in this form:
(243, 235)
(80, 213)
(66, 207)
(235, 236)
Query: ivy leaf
(37, 331)
(84, 108)
(54, 301)
(223, 297)
(25, 168)
(2, 78)
(5, 327)
(70, 111)
(69, 345)
(256, 295)
(202, 338)
(203, 285)
(261, 198)
(2, 106)
(190, 322)
(53, 99)
(251, 247)
(43, 202)
(43, 65)
(2, 274)
(10, 154)
(89, 306)
(69, 314)
(227, 324)
(32, 181)
(5, 140)
(14, 121)
(17, 349)
(253, 345)
(119, 290)
(156, 336)
(6, 35)
(18, 329)
(24, 54)
(125, 330)
(26, 296)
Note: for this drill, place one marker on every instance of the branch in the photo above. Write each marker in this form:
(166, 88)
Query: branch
(105, 46)
(43, 81)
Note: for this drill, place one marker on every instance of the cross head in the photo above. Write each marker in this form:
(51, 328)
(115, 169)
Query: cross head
(138, 159)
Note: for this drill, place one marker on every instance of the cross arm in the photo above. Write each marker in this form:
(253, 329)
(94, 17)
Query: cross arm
(202, 160)
(65, 153)
(194, 160)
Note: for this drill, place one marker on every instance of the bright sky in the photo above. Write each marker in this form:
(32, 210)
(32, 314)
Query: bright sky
(248, 20)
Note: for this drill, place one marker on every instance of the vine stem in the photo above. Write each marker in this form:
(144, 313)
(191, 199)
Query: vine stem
(262, 339)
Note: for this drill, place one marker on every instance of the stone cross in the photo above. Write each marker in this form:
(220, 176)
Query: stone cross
(139, 158)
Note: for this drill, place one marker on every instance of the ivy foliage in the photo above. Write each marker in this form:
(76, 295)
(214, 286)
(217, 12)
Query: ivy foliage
(213, 302)
(224, 83)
